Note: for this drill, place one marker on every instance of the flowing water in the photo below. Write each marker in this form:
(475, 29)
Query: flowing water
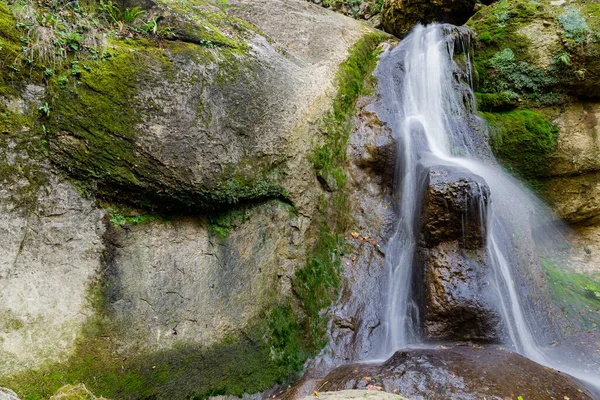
(433, 119)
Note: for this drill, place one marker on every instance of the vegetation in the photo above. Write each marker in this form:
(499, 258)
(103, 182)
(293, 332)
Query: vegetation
(81, 123)
(577, 295)
(524, 140)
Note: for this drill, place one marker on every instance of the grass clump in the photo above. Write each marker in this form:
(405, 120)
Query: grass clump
(523, 140)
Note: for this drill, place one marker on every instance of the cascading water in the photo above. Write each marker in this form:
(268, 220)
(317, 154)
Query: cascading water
(433, 120)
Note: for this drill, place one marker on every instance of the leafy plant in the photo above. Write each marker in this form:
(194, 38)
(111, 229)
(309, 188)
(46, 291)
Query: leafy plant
(45, 108)
(574, 26)
(129, 16)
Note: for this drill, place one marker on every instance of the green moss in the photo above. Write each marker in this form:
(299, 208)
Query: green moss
(574, 294)
(269, 351)
(523, 140)
(317, 284)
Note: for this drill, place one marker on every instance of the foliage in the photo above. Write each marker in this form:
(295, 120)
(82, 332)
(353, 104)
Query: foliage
(516, 75)
(574, 26)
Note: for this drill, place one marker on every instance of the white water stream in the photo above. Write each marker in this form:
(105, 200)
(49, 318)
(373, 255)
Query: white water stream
(432, 126)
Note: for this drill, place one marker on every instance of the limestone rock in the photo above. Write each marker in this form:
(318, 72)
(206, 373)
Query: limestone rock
(234, 122)
(399, 16)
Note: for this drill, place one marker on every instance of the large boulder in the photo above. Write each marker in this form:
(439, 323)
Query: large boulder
(453, 259)
(459, 373)
(399, 16)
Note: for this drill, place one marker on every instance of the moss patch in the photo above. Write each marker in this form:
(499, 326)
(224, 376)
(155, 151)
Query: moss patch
(577, 295)
(317, 284)
(240, 364)
(523, 140)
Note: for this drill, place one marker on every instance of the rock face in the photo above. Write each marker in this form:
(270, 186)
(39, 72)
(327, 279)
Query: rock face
(453, 258)
(163, 242)
(399, 16)
(540, 62)
(7, 394)
(463, 373)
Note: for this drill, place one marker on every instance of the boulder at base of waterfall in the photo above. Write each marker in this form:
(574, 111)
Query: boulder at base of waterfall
(459, 373)
(455, 208)
(399, 16)
(453, 260)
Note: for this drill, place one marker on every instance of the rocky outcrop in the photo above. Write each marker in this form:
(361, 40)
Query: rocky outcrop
(165, 240)
(453, 257)
(541, 57)
(354, 394)
(459, 373)
(399, 16)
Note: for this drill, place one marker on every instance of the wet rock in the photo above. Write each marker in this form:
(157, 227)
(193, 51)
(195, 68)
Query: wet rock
(399, 16)
(7, 394)
(456, 303)
(455, 208)
(460, 373)
(452, 257)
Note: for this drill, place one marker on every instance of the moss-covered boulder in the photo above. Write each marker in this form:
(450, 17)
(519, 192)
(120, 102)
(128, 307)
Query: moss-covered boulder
(399, 16)
(212, 116)
(164, 226)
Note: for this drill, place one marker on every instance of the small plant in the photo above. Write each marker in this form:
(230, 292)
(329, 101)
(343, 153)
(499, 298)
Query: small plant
(574, 26)
(587, 250)
(75, 71)
(132, 15)
(592, 291)
(580, 74)
(48, 72)
(564, 59)
(45, 109)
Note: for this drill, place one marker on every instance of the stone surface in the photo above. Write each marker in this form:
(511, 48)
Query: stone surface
(178, 283)
(455, 208)
(236, 120)
(354, 394)
(49, 257)
(453, 258)
(399, 16)
(459, 373)
(7, 394)
(176, 127)
(356, 317)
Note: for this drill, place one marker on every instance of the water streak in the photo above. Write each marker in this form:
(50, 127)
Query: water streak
(434, 122)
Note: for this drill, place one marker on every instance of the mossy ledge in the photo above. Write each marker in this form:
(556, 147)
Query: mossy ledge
(275, 347)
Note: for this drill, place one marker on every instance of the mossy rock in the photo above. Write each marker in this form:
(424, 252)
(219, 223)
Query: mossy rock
(535, 53)
(399, 16)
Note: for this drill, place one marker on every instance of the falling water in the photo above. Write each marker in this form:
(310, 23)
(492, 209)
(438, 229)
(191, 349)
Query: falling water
(433, 120)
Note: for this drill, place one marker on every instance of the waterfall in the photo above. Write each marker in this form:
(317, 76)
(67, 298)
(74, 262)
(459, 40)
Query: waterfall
(433, 119)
